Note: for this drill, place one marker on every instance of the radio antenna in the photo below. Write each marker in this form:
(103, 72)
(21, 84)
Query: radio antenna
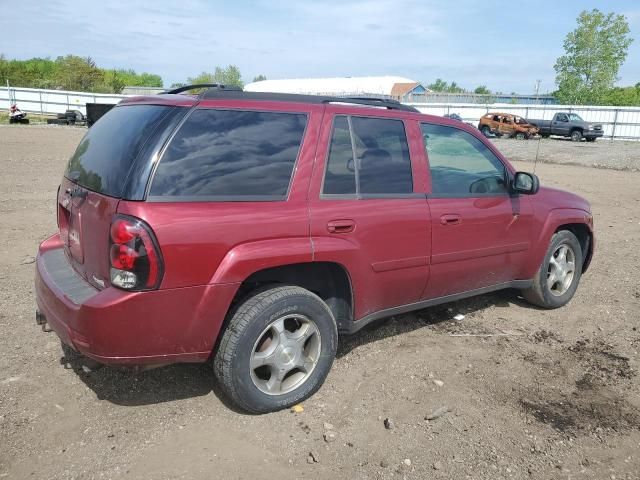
(544, 109)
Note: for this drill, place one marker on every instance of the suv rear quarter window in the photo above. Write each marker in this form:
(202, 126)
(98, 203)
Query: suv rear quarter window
(230, 155)
(368, 156)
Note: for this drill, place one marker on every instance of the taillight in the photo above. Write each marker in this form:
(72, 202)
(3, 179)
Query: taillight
(134, 255)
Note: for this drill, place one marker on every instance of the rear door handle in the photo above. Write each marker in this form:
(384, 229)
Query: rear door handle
(450, 219)
(341, 226)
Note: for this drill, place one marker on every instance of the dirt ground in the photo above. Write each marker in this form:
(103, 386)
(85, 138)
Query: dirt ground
(524, 393)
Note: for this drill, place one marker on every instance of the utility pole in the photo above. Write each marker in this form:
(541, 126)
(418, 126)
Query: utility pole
(537, 87)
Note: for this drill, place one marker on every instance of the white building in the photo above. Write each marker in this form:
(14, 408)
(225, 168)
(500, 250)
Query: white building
(398, 88)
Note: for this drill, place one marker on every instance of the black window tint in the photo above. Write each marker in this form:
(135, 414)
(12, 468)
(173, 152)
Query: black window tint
(383, 157)
(461, 165)
(380, 163)
(106, 153)
(340, 177)
(231, 154)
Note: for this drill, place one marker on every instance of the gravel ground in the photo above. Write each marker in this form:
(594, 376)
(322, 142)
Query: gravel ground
(523, 393)
(616, 155)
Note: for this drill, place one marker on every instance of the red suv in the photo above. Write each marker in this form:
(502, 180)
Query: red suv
(250, 229)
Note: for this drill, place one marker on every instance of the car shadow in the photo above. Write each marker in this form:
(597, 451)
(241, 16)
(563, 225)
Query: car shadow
(130, 387)
(440, 317)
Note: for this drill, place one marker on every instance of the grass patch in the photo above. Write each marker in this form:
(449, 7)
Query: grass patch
(34, 118)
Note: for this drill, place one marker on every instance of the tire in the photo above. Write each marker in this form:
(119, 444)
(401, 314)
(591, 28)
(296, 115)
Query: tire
(591, 139)
(486, 131)
(548, 293)
(521, 136)
(288, 314)
(576, 136)
(546, 136)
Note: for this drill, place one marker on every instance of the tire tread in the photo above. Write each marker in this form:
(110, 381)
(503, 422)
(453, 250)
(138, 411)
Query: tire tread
(239, 321)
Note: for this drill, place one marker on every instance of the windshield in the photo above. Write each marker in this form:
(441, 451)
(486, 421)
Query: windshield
(573, 117)
(106, 153)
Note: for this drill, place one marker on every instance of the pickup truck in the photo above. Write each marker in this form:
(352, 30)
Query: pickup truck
(569, 125)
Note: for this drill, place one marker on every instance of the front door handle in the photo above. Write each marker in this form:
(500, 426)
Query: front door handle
(450, 219)
(341, 226)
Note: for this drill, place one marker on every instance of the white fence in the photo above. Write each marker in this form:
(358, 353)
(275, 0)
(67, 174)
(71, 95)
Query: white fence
(50, 102)
(618, 122)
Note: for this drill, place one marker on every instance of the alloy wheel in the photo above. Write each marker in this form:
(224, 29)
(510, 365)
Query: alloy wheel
(561, 270)
(285, 354)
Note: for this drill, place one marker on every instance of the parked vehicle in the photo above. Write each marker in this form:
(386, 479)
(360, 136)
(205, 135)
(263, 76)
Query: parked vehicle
(254, 228)
(505, 124)
(571, 125)
(453, 116)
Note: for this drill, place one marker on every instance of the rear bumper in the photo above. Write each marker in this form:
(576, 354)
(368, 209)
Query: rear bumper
(117, 327)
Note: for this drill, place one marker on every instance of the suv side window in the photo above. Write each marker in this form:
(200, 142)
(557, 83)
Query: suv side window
(368, 156)
(461, 165)
(230, 155)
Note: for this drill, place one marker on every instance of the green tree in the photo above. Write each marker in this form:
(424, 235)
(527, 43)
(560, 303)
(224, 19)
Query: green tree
(259, 78)
(482, 90)
(72, 73)
(78, 73)
(132, 79)
(229, 76)
(115, 81)
(438, 86)
(441, 86)
(594, 53)
(623, 96)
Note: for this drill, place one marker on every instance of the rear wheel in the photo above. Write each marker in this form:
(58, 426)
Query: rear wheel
(557, 279)
(521, 136)
(277, 349)
(576, 135)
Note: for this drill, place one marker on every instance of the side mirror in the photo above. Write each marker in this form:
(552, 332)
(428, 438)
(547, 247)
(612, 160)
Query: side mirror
(525, 183)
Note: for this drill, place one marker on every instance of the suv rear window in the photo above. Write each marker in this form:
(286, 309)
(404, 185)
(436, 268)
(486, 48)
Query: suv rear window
(230, 155)
(106, 153)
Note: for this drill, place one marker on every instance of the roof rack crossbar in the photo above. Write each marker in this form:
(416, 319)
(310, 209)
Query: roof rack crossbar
(186, 88)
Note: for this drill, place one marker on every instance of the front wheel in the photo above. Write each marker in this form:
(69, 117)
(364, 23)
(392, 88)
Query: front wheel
(557, 279)
(591, 139)
(486, 131)
(521, 136)
(277, 349)
(576, 135)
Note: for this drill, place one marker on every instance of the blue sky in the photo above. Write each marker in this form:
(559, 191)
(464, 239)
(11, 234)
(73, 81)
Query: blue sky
(506, 45)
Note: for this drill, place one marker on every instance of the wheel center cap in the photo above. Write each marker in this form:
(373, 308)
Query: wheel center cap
(287, 355)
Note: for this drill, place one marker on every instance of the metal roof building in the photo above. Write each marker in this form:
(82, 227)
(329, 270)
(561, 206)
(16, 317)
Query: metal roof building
(386, 86)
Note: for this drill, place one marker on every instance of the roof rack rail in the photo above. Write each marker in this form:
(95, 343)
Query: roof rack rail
(186, 88)
(236, 94)
(374, 102)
